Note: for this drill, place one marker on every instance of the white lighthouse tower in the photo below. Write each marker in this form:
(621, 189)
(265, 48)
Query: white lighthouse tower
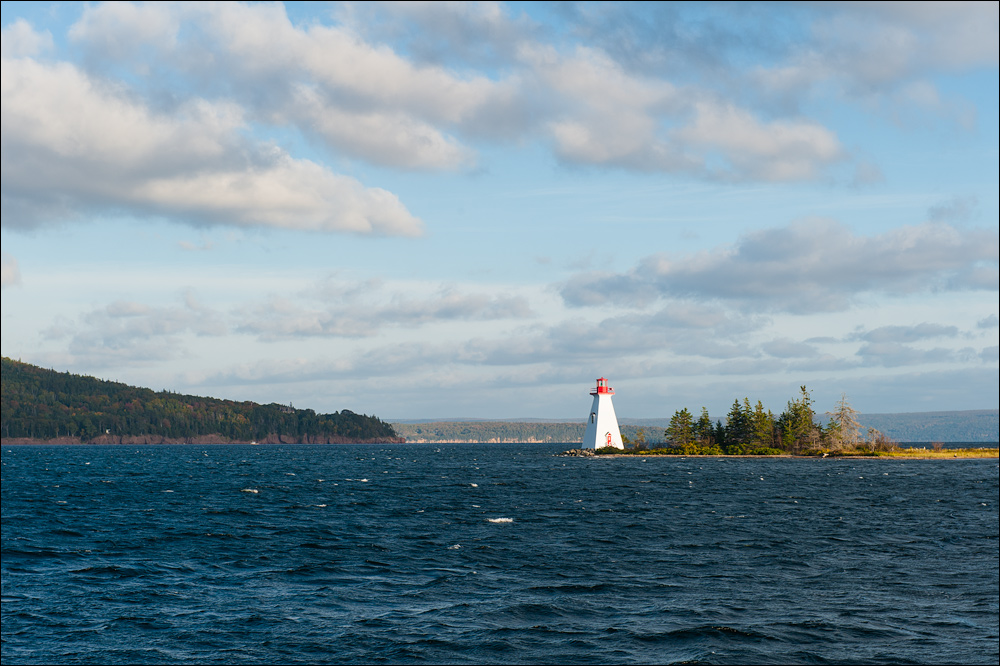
(602, 424)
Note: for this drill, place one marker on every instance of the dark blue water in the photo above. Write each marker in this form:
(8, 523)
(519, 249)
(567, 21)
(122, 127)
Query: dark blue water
(506, 553)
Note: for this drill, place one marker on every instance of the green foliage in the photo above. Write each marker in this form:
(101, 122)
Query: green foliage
(45, 404)
(703, 429)
(737, 425)
(764, 451)
(681, 430)
(693, 449)
(796, 425)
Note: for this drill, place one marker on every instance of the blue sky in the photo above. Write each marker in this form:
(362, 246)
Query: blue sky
(473, 210)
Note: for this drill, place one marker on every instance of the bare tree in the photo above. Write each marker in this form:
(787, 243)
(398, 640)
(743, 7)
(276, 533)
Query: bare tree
(846, 421)
(879, 441)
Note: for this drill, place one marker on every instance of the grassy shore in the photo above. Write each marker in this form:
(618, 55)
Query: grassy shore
(908, 453)
(931, 453)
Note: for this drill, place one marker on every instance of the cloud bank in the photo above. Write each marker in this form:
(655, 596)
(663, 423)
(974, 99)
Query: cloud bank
(807, 267)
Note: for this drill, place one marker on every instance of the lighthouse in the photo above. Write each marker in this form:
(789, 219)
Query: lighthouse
(602, 424)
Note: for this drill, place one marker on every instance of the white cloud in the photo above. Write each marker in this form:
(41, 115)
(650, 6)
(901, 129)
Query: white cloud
(815, 266)
(20, 39)
(392, 138)
(362, 99)
(777, 151)
(367, 100)
(888, 54)
(112, 151)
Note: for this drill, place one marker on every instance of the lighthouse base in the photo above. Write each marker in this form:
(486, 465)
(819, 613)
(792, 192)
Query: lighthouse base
(602, 425)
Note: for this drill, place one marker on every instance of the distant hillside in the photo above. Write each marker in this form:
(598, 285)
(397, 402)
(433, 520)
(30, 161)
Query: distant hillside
(45, 405)
(979, 425)
(965, 426)
(502, 432)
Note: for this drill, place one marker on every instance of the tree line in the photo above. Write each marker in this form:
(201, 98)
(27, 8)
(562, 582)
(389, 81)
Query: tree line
(750, 429)
(44, 404)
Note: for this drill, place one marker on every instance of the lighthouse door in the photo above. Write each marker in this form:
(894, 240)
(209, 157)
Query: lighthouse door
(608, 436)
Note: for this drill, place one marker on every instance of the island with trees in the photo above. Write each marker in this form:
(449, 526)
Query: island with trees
(750, 429)
(45, 406)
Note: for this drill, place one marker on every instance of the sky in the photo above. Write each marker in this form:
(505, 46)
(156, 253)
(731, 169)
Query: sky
(425, 210)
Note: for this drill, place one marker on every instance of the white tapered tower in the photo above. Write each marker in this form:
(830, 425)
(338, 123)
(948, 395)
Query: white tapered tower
(602, 424)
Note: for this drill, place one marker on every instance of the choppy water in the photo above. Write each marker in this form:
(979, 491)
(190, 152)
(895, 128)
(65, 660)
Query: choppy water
(474, 553)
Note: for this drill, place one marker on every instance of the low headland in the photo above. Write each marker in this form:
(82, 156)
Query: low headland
(41, 406)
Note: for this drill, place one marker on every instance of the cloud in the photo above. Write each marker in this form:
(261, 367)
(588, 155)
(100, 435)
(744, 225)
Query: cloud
(456, 73)
(605, 115)
(20, 39)
(281, 318)
(679, 330)
(391, 138)
(364, 100)
(783, 150)
(884, 57)
(893, 354)
(988, 322)
(956, 209)
(114, 152)
(481, 34)
(924, 331)
(127, 332)
(10, 274)
(807, 267)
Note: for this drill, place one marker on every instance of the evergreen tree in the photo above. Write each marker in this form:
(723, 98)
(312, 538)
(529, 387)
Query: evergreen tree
(763, 426)
(681, 429)
(703, 429)
(796, 425)
(738, 427)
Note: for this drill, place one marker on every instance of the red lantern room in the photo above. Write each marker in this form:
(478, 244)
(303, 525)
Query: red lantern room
(602, 388)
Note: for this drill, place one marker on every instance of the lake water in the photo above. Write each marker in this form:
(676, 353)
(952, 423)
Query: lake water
(492, 553)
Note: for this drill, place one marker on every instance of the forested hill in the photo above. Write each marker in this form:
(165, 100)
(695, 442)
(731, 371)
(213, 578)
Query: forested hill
(42, 404)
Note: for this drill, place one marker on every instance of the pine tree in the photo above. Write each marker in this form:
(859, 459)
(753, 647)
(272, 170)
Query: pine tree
(703, 429)
(680, 432)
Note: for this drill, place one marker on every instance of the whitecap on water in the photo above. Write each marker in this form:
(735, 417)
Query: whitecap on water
(474, 485)
(249, 490)
(499, 520)
(455, 547)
